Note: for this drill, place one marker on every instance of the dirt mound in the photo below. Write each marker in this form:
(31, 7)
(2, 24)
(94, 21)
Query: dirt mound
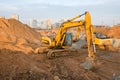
(14, 33)
(113, 32)
(12, 29)
(102, 29)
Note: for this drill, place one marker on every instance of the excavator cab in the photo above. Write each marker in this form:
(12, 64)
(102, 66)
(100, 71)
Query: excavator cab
(68, 39)
(100, 36)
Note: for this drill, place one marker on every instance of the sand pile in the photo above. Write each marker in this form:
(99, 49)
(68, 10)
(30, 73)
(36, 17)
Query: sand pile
(16, 36)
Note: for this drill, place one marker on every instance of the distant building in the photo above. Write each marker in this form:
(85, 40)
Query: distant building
(15, 16)
(42, 24)
(33, 23)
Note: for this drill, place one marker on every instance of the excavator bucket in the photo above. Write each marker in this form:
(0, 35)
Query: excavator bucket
(89, 64)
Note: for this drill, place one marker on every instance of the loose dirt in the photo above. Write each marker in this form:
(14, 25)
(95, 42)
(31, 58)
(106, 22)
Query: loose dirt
(16, 65)
(17, 36)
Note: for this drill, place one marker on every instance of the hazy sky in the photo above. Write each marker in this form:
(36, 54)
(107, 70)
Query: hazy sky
(102, 11)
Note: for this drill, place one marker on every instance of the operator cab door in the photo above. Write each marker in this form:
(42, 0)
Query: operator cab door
(68, 40)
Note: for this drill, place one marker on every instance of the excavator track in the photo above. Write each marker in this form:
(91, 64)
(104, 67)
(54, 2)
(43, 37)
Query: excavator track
(59, 53)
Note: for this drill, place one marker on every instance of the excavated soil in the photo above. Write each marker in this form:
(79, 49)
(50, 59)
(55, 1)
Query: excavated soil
(17, 36)
(16, 65)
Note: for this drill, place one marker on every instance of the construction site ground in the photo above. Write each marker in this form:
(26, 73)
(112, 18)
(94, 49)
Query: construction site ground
(16, 65)
(20, 60)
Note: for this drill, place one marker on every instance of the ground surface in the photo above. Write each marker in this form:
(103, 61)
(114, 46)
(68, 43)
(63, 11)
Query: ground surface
(19, 58)
(20, 66)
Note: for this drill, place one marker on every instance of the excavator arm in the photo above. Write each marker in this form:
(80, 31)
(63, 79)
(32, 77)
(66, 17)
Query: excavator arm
(64, 28)
(89, 36)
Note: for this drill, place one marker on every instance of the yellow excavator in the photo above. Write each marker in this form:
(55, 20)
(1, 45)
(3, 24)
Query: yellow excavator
(63, 39)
